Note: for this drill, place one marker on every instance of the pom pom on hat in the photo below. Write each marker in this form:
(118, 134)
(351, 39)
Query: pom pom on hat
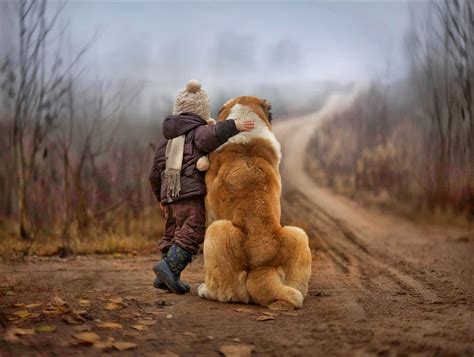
(192, 99)
(193, 86)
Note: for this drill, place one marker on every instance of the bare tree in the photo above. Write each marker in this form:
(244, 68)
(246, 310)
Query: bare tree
(36, 83)
(442, 52)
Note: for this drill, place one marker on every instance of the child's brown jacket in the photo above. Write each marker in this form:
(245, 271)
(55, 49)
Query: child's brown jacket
(200, 140)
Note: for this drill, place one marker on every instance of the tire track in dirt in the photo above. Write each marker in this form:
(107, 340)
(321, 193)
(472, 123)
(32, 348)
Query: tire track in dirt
(343, 242)
(348, 251)
(380, 270)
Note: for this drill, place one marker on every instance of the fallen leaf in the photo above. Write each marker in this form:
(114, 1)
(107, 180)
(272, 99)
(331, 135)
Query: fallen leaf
(52, 311)
(241, 350)
(56, 301)
(82, 328)
(30, 306)
(70, 320)
(84, 302)
(116, 300)
(122, 345)
(111, 306)
(289, 313)
(81, 315)
(110, 325)
(87, 338)
(139, 327)
(11, 335)
(190, 334)
(265, 318)
(269, 313)
(169, 316)
(105, 345)
(46, 328)
(23, 314)
(75, 317)
(18, 305)
(243, 309)
(154, 313)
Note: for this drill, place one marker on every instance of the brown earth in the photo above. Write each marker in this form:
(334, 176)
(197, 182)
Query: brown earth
(381, 285)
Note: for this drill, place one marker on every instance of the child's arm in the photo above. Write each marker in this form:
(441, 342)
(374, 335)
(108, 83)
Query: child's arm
(209, 138)
(159, 164)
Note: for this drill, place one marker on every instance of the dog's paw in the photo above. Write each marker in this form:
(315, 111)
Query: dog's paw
(202, 291)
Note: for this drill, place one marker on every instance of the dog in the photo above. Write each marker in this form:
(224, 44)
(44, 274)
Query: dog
(249, 257)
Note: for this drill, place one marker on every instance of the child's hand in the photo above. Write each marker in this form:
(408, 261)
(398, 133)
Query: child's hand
(245, 125)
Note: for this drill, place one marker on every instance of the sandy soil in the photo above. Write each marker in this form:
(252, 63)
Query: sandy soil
(380, 286)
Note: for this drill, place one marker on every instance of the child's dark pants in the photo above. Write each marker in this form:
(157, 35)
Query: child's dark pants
(185, 224)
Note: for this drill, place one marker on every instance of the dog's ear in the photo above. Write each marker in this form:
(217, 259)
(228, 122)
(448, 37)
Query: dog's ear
(267, 106)
(220, 110)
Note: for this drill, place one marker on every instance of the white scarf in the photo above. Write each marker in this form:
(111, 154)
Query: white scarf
(174, 162)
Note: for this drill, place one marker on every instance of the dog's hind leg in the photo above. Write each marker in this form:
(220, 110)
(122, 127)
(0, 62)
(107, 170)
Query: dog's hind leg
(286, 284)
(223, 257)
(297, 268)
(265, 286)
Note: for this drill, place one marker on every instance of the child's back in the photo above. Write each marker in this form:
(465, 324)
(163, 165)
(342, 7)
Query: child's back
(179, 185)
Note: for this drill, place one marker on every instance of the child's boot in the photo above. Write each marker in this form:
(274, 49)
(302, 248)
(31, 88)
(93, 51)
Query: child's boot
(157, 283)
(168, 271)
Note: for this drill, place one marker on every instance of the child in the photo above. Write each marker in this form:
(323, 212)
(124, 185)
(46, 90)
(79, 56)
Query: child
(178, 184)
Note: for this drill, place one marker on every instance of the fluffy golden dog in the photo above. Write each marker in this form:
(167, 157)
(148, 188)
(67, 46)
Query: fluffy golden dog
(248, 255)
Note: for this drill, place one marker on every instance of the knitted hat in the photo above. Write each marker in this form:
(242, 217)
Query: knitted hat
(192, 99)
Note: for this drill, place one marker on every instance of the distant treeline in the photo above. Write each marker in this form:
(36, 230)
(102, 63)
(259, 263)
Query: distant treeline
(72, 164)
(75, 153)
(411, 144)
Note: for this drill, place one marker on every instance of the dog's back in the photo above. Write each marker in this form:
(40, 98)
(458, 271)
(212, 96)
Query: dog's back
(268, 262)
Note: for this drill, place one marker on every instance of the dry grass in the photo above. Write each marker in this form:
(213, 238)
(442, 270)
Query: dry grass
(390, 166)
(118, 233)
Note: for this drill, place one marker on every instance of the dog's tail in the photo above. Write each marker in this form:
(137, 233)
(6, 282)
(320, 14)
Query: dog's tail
(288, 283)
(265, 287)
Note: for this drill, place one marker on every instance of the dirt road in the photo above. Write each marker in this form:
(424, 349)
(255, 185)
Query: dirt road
(399, 287)
(380, 286)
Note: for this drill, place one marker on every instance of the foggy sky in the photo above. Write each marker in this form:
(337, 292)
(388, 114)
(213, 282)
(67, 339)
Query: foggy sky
(228, 42)
(236, 48)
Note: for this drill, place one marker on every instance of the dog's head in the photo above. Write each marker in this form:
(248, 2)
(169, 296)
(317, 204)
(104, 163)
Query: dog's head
(247, 107)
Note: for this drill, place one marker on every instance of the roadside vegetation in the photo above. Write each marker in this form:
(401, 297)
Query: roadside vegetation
(409, 146)
(73, 170)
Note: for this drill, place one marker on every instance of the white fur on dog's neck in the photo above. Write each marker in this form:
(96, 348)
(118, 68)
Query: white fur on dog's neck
(241, 112)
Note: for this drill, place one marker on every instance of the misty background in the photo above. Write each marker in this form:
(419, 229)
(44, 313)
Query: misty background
(85, 86)
(292, 51)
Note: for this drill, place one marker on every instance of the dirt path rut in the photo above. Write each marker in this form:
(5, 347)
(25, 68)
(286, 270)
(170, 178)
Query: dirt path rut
(411, 285)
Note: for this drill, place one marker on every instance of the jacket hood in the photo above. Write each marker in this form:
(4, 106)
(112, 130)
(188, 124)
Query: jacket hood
(176, 125)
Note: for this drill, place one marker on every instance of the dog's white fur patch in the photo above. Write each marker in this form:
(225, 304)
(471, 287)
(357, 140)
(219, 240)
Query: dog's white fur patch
(242, 112)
